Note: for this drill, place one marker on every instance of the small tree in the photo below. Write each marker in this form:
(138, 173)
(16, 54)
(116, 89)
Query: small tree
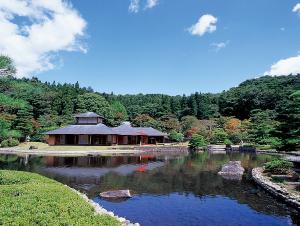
(177, 137)
(23, 121)
(219, 136)
(7, 66)
(197, 141)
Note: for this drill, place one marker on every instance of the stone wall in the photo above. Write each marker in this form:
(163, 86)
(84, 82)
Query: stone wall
(275, 189)
(166, 148)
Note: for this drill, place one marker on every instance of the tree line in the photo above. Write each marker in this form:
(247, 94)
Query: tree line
(263, 111)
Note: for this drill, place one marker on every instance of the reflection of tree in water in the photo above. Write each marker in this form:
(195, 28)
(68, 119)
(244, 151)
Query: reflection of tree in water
(24, 163)
(197, 174)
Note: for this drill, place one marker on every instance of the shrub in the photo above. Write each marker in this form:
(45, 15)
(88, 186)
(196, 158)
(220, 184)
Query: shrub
(13, 142)
(4, 144)
(274, 142)
(9, 143)
(14, 134)
(227, 142)
(235, 138)
(197, 141)
(278, 166)
(174, 136)
(218, 136)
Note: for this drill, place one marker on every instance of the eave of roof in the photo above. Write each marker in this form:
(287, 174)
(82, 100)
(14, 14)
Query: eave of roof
(83, 130)
(101, 129)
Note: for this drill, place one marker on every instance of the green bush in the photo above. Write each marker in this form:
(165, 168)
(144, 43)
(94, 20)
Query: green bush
(274, 142)
(218, 136)
(14, 134)
(278, 166)
(227, 142)
(13, 143)
(30, 199)
(197, 141)
(4, 144)
(9, 143)
(177, 137)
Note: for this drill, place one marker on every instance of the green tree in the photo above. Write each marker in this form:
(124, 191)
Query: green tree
(289, 118)
(119, 112)
(95, 103)
(169, 123)
(197, 141)
(7, 66)
(4, 129)
(219, 136)
(144, 120)
(175, 136)
(23, 121)
(263, 127)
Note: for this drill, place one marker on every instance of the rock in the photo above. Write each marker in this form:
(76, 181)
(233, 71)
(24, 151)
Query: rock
(33, 147)
(117, 194)
(232, 171)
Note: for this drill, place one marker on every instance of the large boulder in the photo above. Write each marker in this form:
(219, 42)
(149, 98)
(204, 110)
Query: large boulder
(232, 170)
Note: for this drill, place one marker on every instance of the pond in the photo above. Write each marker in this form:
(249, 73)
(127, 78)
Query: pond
(169, 189)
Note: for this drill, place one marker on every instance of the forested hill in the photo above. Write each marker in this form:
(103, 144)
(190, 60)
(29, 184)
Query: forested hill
(29, 107)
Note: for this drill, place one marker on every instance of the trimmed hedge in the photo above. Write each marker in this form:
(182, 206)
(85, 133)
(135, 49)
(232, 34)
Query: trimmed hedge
(278, 166)
(9, 143)
(30, 199)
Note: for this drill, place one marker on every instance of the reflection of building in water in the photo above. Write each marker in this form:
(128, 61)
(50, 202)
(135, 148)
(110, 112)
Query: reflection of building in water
(85, 171)
(97, 161)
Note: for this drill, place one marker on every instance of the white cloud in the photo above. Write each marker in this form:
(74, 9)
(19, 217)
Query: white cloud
(151, 3)
(47, 27)
(220, 45)
(286, 66)
(134, 6)
(205, 24)
(296, 8)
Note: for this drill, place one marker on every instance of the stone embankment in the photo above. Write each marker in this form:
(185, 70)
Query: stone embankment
(100, 210)
(277, 190)
(166, 148)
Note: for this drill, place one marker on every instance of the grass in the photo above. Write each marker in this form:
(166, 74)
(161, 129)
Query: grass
(31, 199)
(264, 147)
(122, 148)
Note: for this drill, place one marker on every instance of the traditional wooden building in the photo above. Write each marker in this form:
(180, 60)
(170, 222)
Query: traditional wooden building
(90, 130)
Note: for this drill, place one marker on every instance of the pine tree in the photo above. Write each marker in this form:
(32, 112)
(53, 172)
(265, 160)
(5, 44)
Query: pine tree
(23, 121)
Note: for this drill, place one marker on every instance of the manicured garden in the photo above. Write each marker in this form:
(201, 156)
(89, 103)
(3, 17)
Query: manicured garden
(31, 199)
(281, 171)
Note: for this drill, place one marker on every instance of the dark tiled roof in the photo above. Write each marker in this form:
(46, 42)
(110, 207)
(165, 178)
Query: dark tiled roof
(124, 130)
(88, 115)
(83, 129)
(127, 129)
(149, 131)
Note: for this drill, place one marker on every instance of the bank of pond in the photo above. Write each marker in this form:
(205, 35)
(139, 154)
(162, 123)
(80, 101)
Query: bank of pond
(177, 189)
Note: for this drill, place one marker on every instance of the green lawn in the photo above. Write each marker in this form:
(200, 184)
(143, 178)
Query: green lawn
(31, 199)
(114, 149)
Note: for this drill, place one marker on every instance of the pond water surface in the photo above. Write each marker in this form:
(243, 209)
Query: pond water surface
(169, 190)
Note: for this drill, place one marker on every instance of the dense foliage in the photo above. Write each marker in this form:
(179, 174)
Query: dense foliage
(197, 141)
(263, 111)
(30, 199)
(278, 166)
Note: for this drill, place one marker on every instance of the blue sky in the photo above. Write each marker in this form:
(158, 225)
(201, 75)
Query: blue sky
(153, 50)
